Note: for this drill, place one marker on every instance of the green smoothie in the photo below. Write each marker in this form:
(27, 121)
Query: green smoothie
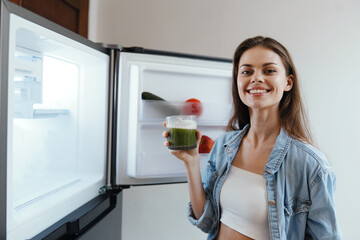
(181, 138)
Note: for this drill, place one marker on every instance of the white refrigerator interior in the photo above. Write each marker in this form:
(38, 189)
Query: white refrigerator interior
(57, 127)
(141, 156)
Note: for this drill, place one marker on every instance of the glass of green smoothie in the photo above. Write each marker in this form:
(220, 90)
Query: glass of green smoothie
(181, 131)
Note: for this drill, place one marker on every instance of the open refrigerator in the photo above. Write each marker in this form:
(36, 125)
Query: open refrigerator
(75, 129)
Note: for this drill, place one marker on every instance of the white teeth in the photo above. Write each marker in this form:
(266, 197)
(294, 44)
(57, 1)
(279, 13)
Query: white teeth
(258, 91)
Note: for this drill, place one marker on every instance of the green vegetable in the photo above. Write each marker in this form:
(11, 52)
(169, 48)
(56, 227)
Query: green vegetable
(163, 107)
(150, 96)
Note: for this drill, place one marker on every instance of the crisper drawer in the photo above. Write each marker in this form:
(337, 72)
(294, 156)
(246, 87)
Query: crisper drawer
(170, 82)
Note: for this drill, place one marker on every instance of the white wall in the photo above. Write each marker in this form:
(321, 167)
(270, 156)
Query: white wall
(324, 39)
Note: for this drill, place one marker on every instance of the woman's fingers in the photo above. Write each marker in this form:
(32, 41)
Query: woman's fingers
(198, 134)
(198, 137)
(165, 134)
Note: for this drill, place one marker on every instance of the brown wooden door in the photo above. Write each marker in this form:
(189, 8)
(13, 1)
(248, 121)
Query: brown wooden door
(71, 14)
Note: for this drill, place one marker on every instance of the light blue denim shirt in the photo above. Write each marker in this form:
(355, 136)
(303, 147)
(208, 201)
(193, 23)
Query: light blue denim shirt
(300, 187)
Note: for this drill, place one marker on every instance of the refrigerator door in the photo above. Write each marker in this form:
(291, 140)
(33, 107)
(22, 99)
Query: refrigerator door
(53, 120)
(141, 156)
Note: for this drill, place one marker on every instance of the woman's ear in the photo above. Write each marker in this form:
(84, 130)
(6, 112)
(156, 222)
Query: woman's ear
(289, 83)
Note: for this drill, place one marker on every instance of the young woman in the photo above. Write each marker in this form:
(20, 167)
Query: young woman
(264, 179)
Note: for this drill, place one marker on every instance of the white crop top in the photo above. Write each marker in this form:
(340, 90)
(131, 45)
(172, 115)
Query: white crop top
(243, 204)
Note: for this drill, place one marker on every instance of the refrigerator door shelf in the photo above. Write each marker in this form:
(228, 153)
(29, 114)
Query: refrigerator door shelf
(160, 166)
(151, 159)
(211, 113)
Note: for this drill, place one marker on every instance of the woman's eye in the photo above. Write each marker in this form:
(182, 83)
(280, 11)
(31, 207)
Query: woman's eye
(245, 72)
(268, 71)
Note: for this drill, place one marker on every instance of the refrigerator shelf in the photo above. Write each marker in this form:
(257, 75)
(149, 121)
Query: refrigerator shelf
(49, 113)
(157, 166)
(26, 111)
(210, 113)
(155, 122)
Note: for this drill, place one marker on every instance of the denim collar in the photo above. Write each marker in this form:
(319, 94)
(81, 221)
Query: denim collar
(277, 154)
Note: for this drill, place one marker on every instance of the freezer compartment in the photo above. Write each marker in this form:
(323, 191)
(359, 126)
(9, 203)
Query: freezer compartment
(57, 126)
(168, 82)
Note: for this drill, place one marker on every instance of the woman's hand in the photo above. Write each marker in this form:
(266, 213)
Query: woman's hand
(190, 156)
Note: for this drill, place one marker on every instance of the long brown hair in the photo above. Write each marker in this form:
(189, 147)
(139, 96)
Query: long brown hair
(292, 114)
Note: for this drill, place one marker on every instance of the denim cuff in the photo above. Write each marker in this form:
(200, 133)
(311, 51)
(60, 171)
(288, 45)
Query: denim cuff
(206, 220)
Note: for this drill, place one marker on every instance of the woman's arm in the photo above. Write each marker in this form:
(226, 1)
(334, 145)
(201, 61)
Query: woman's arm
(191, 159)
(196, 189)
(322, 222)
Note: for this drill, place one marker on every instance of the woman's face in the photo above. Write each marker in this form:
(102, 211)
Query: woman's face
(262, 78)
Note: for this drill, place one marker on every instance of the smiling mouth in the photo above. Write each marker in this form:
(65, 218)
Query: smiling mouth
(254, 91)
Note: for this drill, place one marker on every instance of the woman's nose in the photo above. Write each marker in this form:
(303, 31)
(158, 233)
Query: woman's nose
(257, 78)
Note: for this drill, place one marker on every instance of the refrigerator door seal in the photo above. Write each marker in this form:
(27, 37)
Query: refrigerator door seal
(114, 88)
(173, 54)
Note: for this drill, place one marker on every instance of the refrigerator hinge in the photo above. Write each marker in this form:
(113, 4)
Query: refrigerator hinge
(105, 189)
(112, 189)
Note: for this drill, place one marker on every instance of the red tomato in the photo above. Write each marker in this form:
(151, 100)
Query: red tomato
(206, 144)
(192, 106)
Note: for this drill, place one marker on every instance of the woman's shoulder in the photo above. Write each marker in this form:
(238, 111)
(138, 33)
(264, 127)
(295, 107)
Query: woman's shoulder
(225, 140)
(228, 136)
(310, 155)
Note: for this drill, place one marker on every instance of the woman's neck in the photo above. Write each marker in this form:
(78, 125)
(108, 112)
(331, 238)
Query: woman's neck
(264, 127)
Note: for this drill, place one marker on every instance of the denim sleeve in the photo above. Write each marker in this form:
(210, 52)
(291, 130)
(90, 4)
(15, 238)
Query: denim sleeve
(205, 222)
(322, 223)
